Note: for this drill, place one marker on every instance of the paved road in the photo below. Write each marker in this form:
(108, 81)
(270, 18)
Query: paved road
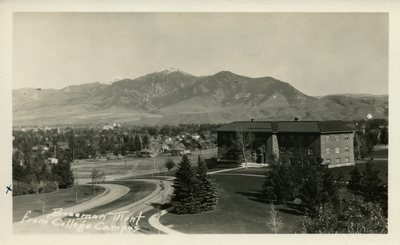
(134, 212)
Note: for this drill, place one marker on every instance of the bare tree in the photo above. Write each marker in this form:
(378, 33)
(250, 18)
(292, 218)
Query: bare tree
(97, 178)
(274, 222)
(76, 188)
(43, 196)
(243, 142)
(357, 136)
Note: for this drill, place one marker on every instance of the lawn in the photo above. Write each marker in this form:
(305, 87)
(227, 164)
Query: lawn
(239, 211)
(140, 166)
(63, 198)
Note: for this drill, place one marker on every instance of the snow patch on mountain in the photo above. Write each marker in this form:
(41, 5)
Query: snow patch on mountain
(168, 70)
(115, 79)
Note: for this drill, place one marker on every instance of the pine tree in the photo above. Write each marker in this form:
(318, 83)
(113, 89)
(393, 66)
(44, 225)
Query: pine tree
(185, 186)
(279, 184)
(207, 193)
(138, 143)
(384, 136)
(354, 183)
(370, 182)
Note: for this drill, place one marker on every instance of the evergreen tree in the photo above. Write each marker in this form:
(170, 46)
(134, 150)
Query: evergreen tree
(318, 188)
(369, 185)
(207, 193)
(384, 136)
(279, 184)
(355, 181)
(370, 182)
(185, 186)
(138, 143)
(304, 178)
(63, 173)
(146, 141)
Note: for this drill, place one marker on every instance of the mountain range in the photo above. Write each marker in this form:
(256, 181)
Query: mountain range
(172, 96)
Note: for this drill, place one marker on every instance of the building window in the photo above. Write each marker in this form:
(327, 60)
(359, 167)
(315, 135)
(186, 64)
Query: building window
(328, 150)
(347, 160)
(311, 139)
(283, 138)
(337, 160)
(346, 149)
(327, 138)
(282, 150)
(310, 151)
(328, 161)
(337, 137)
(301, 138)
(337, 150)
(346, 137)
(291, 150)
(292, 137)
(224, 136)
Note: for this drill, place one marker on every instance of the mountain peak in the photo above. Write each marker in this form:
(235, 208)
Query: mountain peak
(168, 70)
(172, 70)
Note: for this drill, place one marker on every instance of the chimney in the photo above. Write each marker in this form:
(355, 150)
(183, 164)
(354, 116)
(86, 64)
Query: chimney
(252, 120)
(296, 119)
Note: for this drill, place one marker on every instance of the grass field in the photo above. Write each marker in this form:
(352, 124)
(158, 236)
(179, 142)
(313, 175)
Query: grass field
(139, 166)
(239, 210)
(63, 198)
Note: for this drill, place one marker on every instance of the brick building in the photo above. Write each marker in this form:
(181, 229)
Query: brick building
(331, 141)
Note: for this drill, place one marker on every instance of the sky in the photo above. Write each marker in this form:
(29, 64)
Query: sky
(317, 53)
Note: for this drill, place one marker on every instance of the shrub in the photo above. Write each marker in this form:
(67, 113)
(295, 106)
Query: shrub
(352, 216)
(22, 188)
(169, 164)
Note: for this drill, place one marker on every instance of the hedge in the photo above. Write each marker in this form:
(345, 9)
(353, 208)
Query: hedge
(22, 188)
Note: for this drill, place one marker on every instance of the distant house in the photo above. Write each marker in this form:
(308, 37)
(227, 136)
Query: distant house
(167, 139)
(108, 127)
(333, 142)
(36, 148)
(146, 153)
(195, 136)
(165, 148)
(62, 145)
(178, 149)
(52, 160)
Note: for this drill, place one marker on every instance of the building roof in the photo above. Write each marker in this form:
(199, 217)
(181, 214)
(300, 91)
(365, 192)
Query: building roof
(287, 127)
(298, 127)
(246, 126)
(334, 127)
